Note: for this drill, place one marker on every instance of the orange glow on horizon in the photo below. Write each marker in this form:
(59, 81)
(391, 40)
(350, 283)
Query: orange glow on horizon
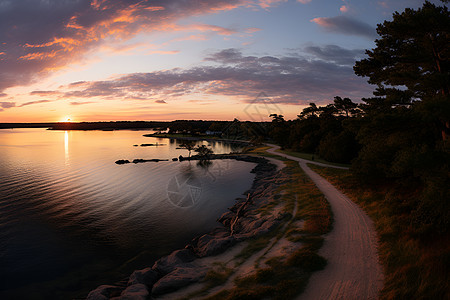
(66, 119)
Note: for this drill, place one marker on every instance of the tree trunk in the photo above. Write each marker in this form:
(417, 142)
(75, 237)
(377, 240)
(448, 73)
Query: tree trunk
(446, 130)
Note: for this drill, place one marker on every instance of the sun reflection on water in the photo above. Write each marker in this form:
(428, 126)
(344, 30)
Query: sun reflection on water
(66, 148)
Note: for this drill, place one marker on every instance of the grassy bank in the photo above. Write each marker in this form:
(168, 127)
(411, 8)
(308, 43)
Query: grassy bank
(283, 277)
(414, 268)
(312, 157)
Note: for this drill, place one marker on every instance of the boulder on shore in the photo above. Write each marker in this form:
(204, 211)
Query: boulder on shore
(178, 278)
(137, 291)
(145, 276)
(168, 263)
(104, 292)
(209, 245)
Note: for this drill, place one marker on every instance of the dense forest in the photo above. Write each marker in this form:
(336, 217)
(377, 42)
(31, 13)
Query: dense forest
(401, 136)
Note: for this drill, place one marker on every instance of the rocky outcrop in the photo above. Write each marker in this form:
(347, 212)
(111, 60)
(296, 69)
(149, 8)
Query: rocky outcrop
(151, 145)
(137, 291)
(169, 263)
(179, 278)
(147, 276)
(212, 244)
(104, 292)
(138, 160)
(122, 161)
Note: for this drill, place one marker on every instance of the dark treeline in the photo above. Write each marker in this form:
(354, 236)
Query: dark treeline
(233, 130)
(399, 138)
(322, 130)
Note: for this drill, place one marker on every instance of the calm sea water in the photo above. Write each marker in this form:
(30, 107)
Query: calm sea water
(71, 219)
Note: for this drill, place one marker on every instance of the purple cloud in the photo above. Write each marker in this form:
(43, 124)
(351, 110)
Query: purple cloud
(336, 54)
(81, 103)
(346, 25)
(43, 93)
(34, 102)
(5, 105)
(319, 76)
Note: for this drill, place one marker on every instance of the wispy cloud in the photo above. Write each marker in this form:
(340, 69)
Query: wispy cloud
(5, 105)
(346, 25)
(34, 102)
(44, 93)
(344, 8)
(252, 30)
(214, 28)
(269, 3)
(336, 54)
(164, 52)
(81, 103)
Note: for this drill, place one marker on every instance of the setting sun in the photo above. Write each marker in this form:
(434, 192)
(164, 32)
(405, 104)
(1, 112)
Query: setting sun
(66, 119)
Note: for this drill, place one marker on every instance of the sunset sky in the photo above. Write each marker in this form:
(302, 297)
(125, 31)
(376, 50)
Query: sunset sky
(101, 60)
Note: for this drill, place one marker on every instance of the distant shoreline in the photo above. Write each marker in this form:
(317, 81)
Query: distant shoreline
(196, 138)
(114, 125)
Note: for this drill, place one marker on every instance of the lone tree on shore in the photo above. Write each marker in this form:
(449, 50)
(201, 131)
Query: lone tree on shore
(188, 145)
(203, 151)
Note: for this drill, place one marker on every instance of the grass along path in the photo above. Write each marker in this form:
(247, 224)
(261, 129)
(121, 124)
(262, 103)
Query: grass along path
(414, 269)
(313, 158)
(353, 270)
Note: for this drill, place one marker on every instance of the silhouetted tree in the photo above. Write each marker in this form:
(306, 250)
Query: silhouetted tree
(345, 106)
(203, 151)
(311, 111)
(188, 145)
(279, 130)
(413, 52)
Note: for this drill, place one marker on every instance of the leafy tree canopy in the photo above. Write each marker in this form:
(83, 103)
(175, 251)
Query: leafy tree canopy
(412, 52)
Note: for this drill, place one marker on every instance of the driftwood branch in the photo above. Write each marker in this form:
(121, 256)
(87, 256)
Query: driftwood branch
(239, 214)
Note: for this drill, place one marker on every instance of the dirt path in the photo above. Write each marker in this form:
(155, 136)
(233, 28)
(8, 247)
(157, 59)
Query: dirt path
(353, 270)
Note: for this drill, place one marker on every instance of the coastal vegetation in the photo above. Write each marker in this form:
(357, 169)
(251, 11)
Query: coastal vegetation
(398, 145)
(400, 137)
(415, 265)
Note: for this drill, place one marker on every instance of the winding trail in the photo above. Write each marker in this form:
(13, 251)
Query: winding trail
(353, 270)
